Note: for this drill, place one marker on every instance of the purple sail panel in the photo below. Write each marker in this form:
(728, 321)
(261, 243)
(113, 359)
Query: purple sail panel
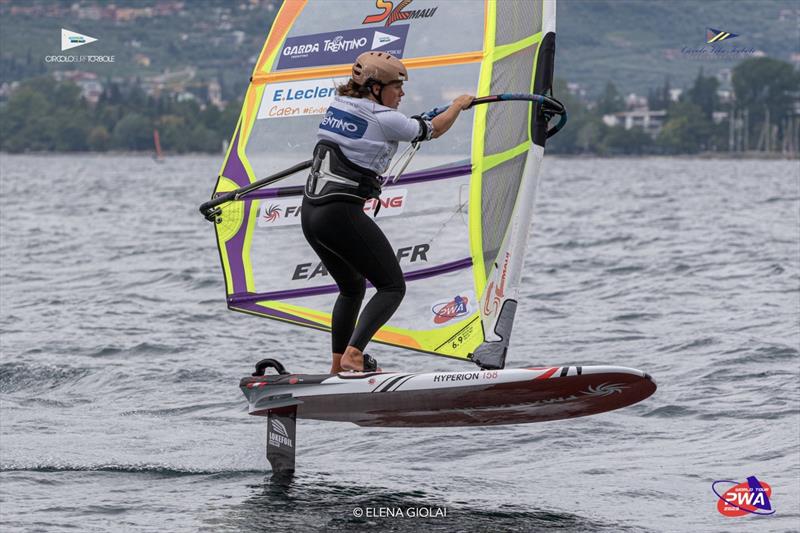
(234, 170)
(253, 307)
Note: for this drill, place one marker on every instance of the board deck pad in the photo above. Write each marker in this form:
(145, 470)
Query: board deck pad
(442, 399)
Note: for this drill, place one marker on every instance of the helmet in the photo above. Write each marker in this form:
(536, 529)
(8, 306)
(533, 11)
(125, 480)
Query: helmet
(379, 66)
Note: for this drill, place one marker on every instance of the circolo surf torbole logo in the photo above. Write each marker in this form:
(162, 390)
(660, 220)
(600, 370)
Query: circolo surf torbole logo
(742, 498)
(70, 40)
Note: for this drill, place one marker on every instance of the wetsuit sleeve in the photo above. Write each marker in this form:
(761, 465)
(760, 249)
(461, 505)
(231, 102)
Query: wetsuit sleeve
(398, 127)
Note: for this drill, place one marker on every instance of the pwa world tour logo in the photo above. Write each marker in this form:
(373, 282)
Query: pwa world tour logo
(739, 499)
(392, 14)
(715, 36)
(447, 311)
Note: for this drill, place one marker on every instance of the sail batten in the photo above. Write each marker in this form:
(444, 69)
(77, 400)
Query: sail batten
(333, 289)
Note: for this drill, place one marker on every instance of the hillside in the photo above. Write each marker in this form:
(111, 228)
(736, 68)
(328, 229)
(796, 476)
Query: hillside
(635, 43)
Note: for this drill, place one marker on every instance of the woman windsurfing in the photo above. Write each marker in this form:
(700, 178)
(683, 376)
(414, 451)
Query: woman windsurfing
(355, 144)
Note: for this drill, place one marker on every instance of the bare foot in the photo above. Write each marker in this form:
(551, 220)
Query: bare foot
(353, 360)
(336, 363)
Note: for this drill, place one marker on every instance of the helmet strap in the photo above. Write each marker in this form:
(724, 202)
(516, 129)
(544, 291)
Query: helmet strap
(379, 96)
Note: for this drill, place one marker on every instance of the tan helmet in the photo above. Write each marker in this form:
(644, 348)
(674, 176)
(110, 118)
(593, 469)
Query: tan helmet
(379, 66)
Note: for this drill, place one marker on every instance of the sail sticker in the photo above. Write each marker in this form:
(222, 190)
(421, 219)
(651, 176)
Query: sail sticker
(414, 254)
(298, 98)
(392, 201)
(392, 13)
(286, 211)
(279, 212)
(495, 294)
(340, 47)
(460, 305)
(460, 337)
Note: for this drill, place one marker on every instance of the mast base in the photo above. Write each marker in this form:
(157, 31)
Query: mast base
(491, 355)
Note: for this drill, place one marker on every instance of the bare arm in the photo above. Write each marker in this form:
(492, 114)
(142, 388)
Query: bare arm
(441, 123)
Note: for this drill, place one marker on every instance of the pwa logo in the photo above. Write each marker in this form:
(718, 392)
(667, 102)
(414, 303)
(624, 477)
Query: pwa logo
(392, 14)
(450, 309)
(749, 497)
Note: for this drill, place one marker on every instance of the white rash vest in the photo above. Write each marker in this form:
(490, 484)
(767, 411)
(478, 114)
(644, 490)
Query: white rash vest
(367, 132)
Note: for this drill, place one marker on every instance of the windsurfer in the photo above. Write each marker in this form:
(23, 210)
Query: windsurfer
(356, 141)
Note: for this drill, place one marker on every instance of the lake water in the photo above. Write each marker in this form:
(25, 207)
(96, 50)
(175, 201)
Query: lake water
(120, 363)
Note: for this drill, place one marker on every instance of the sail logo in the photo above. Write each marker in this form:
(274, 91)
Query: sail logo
(715, 36)
(381, 39)
(280, 212)
(340, 47)
(494, 295)
(272, 213)
(751, 496)
(338, 44)
(405, 254)
(298, 98)
(71, 39)
(344, 124)
(392, 203)
(446, 311)
(286, 211)
(393, 14)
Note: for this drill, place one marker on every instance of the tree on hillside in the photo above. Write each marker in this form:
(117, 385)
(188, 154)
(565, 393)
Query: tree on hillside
(566, 142)
(704, 94)
(611, 101)
(687, 130)
(762, 84)
(618, 141)
(133, 132)
(659, 98)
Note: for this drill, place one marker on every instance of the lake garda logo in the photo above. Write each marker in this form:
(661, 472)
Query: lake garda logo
(742, 498)
(340, 47)
(71, 39)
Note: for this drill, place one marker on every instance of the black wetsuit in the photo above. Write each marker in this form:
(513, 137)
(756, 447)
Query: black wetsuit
(353, 248)
(356, 141)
